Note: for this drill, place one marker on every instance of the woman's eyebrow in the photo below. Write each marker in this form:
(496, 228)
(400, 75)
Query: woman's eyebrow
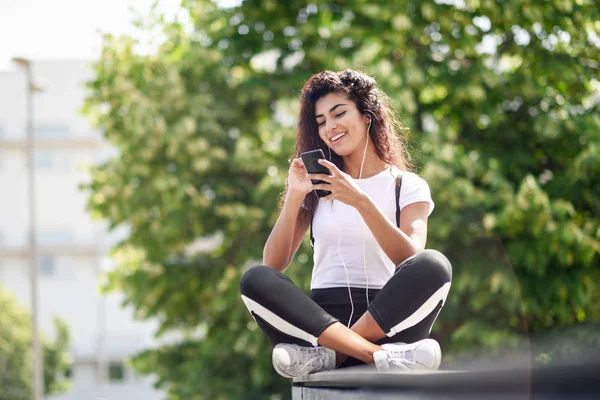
(332, 109)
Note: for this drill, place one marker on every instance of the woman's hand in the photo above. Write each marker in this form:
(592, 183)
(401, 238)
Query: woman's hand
(341, 185)
(298, 184)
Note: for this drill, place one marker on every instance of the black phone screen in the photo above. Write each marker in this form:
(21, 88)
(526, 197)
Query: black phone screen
(310, 160)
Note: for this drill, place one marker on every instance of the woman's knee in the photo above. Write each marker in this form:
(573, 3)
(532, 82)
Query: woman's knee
(432, 265)
(254, 278)
(251, 278)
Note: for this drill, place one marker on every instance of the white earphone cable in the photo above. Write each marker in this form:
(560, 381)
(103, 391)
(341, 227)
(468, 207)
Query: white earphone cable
(345, 269)
(342, 259)
(362, 236)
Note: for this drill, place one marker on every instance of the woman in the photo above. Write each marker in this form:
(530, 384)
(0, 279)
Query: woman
(375, 291)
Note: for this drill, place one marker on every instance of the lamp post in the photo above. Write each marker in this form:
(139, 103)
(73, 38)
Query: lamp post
(38, 362)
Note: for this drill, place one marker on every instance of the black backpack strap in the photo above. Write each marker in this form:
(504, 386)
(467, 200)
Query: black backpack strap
(398, 187)
(312, 238)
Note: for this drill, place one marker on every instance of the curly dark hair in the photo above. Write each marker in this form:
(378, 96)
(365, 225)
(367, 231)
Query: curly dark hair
(388, 135)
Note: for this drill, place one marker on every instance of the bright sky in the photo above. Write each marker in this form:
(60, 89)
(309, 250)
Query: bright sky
(58, 29)
(67, 29)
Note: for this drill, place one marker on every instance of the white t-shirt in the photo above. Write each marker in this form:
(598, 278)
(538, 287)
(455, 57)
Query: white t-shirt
(328, 270)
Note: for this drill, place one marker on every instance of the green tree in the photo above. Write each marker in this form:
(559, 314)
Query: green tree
(504, 124)
(16, 377)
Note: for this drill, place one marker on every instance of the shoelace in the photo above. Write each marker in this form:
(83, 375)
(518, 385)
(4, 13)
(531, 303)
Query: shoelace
(401, 357)
(312, 364)
(316, 359)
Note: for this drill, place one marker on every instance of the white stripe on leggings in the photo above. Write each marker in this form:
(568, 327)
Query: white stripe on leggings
(422, 311)
(277, 322)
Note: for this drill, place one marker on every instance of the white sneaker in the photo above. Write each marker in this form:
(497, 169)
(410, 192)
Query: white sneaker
(424, 354)
(291, 360)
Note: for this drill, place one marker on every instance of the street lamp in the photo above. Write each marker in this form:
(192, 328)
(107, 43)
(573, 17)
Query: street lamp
(38, 363)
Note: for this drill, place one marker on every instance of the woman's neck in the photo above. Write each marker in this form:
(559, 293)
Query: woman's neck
(372, 165)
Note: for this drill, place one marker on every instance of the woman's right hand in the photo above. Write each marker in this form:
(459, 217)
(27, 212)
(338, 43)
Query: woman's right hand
(298, 183)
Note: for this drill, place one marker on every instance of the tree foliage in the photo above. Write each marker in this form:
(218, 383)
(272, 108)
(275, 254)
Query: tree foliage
(16, 378)
(502, 102)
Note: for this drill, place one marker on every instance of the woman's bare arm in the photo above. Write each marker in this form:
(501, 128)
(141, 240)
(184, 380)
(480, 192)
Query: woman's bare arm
(397, 243)
(286, 236)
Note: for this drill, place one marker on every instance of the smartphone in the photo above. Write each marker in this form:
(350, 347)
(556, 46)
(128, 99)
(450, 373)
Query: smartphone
(310, 160)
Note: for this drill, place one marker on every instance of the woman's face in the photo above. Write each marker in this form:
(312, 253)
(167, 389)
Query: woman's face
(341, 126)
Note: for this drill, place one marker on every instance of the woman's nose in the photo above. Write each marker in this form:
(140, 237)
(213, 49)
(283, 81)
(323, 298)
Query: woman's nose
(329, 126)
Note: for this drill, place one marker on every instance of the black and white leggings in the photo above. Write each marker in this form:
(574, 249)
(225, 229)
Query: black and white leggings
(405, 308)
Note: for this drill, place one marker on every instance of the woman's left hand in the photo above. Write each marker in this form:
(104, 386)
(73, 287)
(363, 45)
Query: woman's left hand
(340, 184)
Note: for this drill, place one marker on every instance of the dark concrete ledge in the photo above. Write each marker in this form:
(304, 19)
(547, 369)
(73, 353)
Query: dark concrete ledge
(554, 382)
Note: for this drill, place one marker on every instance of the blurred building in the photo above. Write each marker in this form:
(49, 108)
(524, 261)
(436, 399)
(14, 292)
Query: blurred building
(72, 248)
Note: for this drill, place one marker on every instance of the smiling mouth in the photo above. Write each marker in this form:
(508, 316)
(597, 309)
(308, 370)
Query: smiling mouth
(338, 137)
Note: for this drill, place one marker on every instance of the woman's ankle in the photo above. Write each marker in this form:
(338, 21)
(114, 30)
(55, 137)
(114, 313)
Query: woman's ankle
(340, 358)
(343, 340)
